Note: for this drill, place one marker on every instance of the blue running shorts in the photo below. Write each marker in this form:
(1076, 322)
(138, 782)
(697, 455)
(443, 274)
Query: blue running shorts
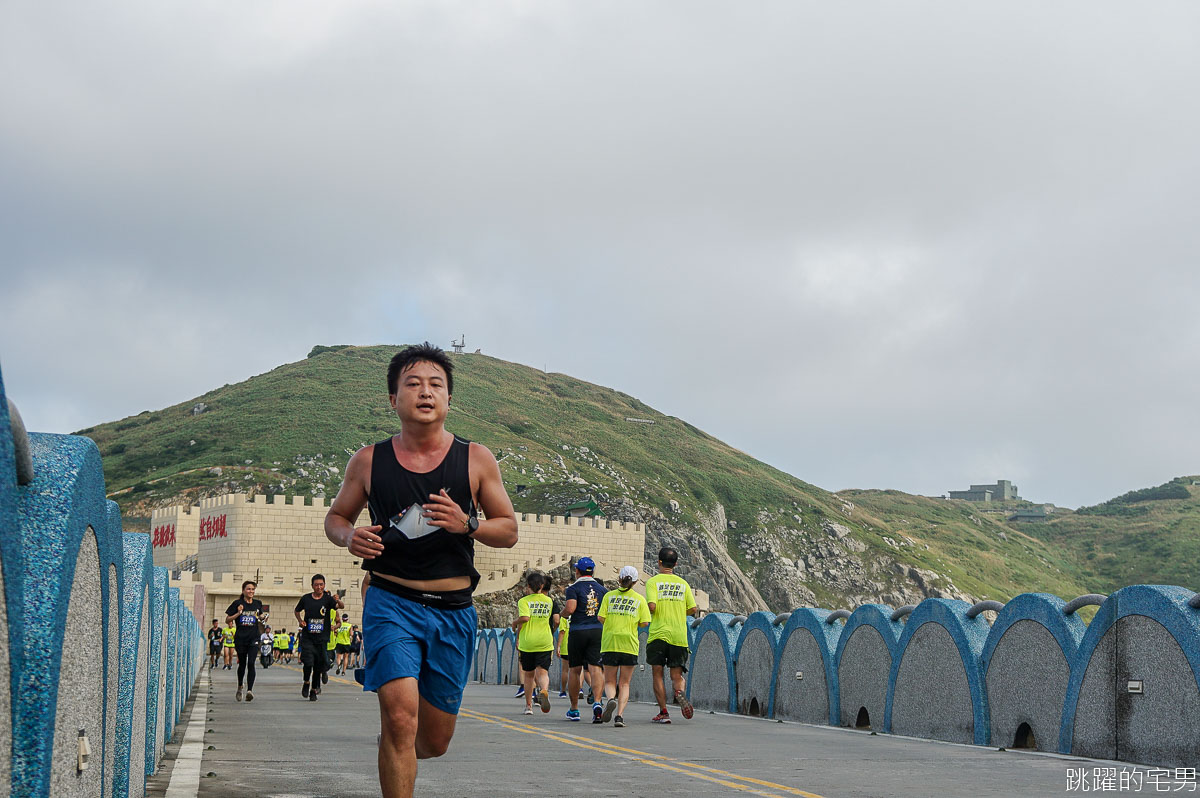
(406, 639)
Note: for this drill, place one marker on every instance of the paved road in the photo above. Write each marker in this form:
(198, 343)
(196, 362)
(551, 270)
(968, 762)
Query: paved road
(284, 746)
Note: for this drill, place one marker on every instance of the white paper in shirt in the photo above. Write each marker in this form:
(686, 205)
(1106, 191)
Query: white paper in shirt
(412, 523)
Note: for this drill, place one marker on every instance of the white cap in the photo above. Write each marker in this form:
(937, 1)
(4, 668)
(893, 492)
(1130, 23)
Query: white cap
(628, 572)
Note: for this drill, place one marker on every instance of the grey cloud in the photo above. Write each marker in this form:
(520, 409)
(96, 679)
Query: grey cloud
(896, 245)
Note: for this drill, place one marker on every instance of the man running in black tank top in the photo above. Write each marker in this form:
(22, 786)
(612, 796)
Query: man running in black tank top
(418, 620)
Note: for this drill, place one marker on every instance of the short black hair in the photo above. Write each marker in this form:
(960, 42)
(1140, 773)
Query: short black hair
(536, 581)
(668, 556)
(426, 352)
(316, 577)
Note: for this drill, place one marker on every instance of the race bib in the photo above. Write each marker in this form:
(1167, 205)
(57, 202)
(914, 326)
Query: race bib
(316, 627)
(248, 619)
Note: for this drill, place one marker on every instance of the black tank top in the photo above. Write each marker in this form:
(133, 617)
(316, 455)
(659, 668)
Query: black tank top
(394, 489)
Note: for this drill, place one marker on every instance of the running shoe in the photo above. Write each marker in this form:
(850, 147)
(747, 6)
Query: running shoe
(528, 710)
(685, 706)
(573, 714)
(543, 699)
(608, 710)
(316, 690)
(249, 696)
(312, 696)
(304, 691)
(581, 693)
(520, 692)
(238, 694)
(324, 677)
(661, 717)
(597, 713)
(562, 693)
(618, 721)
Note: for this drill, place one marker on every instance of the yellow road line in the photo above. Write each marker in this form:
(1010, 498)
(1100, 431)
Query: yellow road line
(646, 758)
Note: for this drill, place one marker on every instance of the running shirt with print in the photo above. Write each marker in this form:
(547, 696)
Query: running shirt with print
(672, 598)
(535, 634)
(227, 633)
(317, 614)
(622, 611)
(343, 634)
(246, 620)
(588, 593)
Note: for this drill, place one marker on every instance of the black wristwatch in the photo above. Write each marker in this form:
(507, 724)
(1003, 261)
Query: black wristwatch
(472, 525)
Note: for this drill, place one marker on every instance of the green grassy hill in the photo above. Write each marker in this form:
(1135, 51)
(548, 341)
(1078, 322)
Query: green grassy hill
(1147, 536)
(752, 535)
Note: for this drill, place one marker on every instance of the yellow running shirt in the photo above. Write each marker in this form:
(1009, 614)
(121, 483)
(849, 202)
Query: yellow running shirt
(564, 626)
(672, 598)
(227, 633)
(535, 634)
(343, 634)
(622, 611)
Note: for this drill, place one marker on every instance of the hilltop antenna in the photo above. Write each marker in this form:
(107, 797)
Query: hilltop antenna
(459, 344)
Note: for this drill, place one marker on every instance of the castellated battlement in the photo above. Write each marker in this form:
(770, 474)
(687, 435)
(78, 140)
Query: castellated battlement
(235, 536)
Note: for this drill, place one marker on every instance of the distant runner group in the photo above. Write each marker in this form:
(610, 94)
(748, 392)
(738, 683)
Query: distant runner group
(324, 640)
(597, 639)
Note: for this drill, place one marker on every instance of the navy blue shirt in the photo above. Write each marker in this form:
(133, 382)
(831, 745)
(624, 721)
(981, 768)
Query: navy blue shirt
(588, 593)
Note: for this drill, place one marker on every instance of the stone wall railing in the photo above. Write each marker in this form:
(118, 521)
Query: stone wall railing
(1125, 686)
(99, 654)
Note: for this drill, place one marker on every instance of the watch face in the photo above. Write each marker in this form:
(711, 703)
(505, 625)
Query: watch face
(472, 523)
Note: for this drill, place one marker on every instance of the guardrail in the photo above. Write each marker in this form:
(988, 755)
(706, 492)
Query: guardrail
(1036, 677)
(83, 713)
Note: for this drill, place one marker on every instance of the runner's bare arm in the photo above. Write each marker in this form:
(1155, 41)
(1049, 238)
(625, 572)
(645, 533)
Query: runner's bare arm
(570, 608)
(299, 618)
(229, 618)
(650, 605)
(499, 530)
(363, 541)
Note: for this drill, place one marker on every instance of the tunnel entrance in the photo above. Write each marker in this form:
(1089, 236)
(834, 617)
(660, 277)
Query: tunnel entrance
(754, 707)
(1024, 737)
(863, 721)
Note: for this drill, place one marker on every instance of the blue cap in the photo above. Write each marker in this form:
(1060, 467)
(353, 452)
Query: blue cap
(585, 565)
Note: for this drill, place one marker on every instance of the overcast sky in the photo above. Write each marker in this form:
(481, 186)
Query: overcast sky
(894, 245)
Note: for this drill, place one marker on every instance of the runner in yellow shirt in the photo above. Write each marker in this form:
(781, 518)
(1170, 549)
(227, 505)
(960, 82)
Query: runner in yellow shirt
(343, 644)
(671, 602)
(564, 625)
(535, 640)
(622, 611)
(227, 635)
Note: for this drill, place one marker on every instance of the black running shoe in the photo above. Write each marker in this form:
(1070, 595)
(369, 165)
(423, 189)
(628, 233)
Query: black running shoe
(324, 677)
(304, 691)
(609, 710)
(618, 721)
(312, 696)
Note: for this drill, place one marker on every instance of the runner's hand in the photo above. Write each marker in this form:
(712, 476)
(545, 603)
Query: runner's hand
(241, 608)
(366, 543)
(444, 512)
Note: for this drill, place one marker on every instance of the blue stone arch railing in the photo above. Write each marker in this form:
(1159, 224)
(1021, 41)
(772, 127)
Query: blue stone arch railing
(806, 681)
(712, 684)
(866, 648)
(1026, 664)
(1134, 693)
(68, 574)
(940, 652)
(755, 661)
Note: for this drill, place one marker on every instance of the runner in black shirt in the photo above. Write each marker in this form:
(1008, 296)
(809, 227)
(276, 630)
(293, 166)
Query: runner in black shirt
(315, 612)
(214, 644)
(246, 610)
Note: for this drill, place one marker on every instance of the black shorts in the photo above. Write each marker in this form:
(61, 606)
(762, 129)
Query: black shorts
(613, 659)
(343, 648)
(312, 652)
(660, 652)
(214, 647)
(250, 647)
(583, 647)
(534, 659)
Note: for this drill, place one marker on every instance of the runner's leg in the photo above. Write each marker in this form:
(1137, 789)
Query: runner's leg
(625, 677)
(573, 686)
(660, 692)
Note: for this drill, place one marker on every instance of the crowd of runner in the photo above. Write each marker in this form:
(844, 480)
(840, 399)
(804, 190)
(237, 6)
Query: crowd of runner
(595, 635)
(323, 640)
